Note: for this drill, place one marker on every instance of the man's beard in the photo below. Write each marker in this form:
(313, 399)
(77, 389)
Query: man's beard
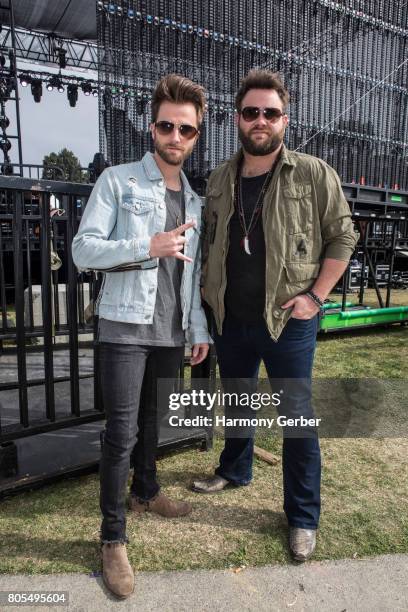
(168, 157)
(263, 148)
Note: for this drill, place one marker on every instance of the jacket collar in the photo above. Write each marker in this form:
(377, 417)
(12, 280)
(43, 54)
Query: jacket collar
(153, 172)
(287, 158)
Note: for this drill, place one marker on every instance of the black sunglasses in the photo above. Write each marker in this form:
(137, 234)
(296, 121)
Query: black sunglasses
(186, 131)
(250, 113)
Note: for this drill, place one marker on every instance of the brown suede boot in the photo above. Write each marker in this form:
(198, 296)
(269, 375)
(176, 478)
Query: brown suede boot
(117, 572)
(160, 504)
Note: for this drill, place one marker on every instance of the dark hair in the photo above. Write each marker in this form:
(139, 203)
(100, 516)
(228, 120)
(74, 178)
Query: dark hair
(178, 89)
(261, 79)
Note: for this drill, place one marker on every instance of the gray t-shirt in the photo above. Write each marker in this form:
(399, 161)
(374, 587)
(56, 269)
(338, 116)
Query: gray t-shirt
(166, 329)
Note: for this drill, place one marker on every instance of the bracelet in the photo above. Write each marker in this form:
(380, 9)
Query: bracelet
(315, 298)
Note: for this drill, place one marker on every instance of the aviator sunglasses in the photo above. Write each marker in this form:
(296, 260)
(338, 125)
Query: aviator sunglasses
(186, 131)
(250, 113)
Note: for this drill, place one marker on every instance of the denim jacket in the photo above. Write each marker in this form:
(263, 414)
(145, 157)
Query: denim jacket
(126, 207)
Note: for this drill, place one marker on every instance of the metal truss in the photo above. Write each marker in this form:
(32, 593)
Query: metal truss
(43, 48)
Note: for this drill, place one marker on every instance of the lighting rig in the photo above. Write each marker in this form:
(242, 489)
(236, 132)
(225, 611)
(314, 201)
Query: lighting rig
(60, 83)
(8, 91)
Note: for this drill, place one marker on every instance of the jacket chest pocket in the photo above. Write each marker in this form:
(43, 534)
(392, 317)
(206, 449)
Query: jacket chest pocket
(298, 213)
(137, 205)
(137, 214)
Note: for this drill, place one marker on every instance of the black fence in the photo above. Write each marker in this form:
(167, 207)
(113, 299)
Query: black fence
(43, 304)
(49, 377)
(48, 172)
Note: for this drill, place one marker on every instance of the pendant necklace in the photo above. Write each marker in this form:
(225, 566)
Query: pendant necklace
(175, 215)
(256, 212)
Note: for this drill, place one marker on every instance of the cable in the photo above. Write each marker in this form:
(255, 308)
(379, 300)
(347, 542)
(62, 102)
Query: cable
(351, 105)
(62, 16)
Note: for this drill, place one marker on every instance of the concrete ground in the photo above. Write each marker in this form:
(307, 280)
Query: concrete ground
(378, 584)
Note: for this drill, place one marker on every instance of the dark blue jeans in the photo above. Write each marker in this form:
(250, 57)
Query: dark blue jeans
(129, 376)
(240, 350)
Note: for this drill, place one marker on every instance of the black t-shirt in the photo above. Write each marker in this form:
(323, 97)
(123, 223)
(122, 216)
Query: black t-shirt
(245, 293)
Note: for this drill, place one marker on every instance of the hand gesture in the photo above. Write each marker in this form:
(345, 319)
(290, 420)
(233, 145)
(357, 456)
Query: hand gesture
(170, 244)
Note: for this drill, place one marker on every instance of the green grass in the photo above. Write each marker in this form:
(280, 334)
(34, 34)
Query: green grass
(370, 353)
(364, 496)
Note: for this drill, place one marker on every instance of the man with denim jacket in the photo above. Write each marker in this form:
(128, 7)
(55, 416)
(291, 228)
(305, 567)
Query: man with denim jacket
(278, 237)
(144, 216)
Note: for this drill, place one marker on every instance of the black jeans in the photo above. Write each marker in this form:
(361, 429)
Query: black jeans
(129, 376)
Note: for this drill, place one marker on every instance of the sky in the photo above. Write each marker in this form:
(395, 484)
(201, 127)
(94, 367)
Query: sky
(53, 124)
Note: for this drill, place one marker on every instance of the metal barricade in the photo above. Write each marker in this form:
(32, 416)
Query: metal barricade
(49, 377)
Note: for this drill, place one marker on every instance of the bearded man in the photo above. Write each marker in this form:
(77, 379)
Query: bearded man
(278, 237)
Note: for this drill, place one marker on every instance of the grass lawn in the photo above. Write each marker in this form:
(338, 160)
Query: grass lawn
(364, 496)
(364, 501)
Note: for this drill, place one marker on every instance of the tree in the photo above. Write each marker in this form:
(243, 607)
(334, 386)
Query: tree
(62, 166)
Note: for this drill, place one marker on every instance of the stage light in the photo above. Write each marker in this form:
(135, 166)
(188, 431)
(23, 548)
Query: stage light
(25, 80)
(6, 87)
(141, 104)
(72, 93)
(5, 144)
(4, 122)
(36, 89)
(62, 57)
(6, 168)
(95, 93)
(55, 83)
(86, 88)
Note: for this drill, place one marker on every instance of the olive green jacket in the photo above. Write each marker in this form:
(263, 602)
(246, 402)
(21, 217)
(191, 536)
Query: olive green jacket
(305, 218)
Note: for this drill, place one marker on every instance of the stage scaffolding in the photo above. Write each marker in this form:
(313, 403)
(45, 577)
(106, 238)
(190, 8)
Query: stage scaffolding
(345, 64)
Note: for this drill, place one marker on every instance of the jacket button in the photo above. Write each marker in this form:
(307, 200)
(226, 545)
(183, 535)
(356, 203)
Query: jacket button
(161, 205)
(277, 313)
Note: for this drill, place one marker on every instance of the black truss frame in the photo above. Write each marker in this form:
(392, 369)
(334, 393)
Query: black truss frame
(40, 47)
